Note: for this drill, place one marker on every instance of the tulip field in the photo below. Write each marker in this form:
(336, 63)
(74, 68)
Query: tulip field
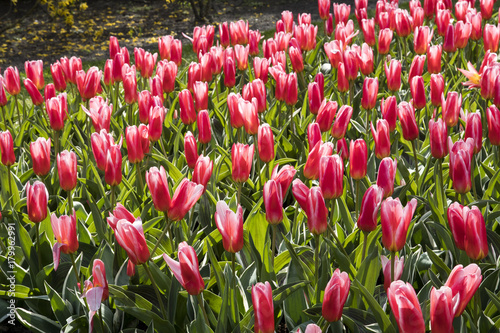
(339, 176)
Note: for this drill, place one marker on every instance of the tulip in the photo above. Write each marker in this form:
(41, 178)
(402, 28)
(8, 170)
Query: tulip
(386, 269)
(34, 72)
(137, 144)
(488, 79)
(436, 89)
(343, 119)
(493, 118)
(370, 206)
(384, 41)
(460, 164)
(358, 158)
(365, 59)
(344, 32)
(40, 154)
(230, 226)
(168, 75)
(331, 176)
(58, 76)
(336, 293)
(158, 186)
(88, 83)
(418, 92)
(461, 8)
(235, 115)
(203, 171)
(266, 143)
(313, 134)
(108, 73)
(100, 113)
(486, 8)
(475, 20)
(437, 138)
(476, 242)
(12, 82)
(256, 89)
(7, 149)
(368, 28)
(262, 300)
(49, 92)
(324, 9)
(113, 169)
(393, 74)
(241, 157)
(387, 175)
(144, 104)
(342, 149)
(71, 67)
(99, 277)
(403, 23)
(261, 68)
(474, 130)
(462, 34)
(37, 199)
(190, 149)
(248, 111)
(326, 113)
(417, 67)
(64, 229)
(395, 222)
(381, 136)
(442, 309)
(351, 64)
(406, 115)
(370, 91)
(229, 73)
(207, 65)
(449, 39)
(329, 25)
(342, 82)
(311, 169)
(405, 307)
(194, 74)
(186, 270)
(129, 84)
(421, 39)
(464, 283)
(295, 55)
(273, 202)
(291, 89)
(66, 167)
(100, 145)
(451, 108)
(388, 108)
(186, 104)
(241, 53)
(457, 222)
(284, 177)
(130, 236)
(334, 52)
(434, 59)
(443, 17)
(418, 17)
(314, 97)
(185, 197)
(57, 109)
(491, 36)
(35, 95)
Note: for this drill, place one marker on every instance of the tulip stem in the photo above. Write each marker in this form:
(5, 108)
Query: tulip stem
(356, 204)
(273, 245)
(363, 256)
(39, 252)
(257, 157)
(239, 193)
(70, 203)
(139, 176)
(167, 228)
(441, 184)
(413, 144)
(113, 197)
(4, 118)
(393, 261)
(9, 172)
(472, 177)
(200, 301)
(325, 327)
(100, 318)
(56, 142)
(72, 256)
(292, 128)
(157, 291)
(316, 267)
(236, 310)
(17, 108)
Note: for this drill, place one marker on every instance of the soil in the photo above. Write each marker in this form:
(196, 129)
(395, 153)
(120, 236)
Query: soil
(136, 23)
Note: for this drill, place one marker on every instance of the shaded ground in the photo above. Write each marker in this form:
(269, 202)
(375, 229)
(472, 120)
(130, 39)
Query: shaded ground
(136, 23)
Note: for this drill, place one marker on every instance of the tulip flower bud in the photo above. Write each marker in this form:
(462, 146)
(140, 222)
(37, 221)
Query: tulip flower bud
(438, 138)
(185, 197)
(241, 158)
(437, 88)
(393, 74)
(12, 81)
(460, 164)
(291, 89)
(158, 186)
(229, 73)
(34, 72)
(37, 199)
(317, 213)
(66, 167)
(421, 39)
(313, 135)
(108, 73)
(336, 293)
(284, 177)
(417, 67)
(113, 169)
(474, 130)
(464, 283)
(7, 149)
(418, 92)
(262, 300)
(40, 154)
(331, 176)
(248, 110)
(49, 92)
(462, 34)
(326, 113)
(406, 115)
(342, 82)
(324, 9)
(358, 159)
(200, 90)
(230, 226)
(370, 91)
(89, 83)
(384, 41)
(58, 76)
(442, 309)
(434, 59)
(314, 97)
(476, 242)
(64, 229)
(388, 108)
(395, 222)
(186, 270)
(100, 113)
(493, 118)
(35, 95)
(341, 122)
(190, 149)
(405, 307)
(370, 206)
(144, 103)
(261, 69)
(382, 139)
(130, 236)
(266, 143)
(273, 202)
(137, 144)
(311, 169)
(386, 269)
(186, 104)
(203, 171)
(57, 109)
(100, 145)
(387, 175)
(451, 108)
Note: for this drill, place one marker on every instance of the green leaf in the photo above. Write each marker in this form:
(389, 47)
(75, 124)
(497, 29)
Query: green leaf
(60, 308)
(36, 322)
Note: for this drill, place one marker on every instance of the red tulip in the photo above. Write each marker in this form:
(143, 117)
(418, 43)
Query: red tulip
(241, 53)
(306, 36)
(248, 111)
(12, 82)
(388, 108)
(464, 283)
(203, 171)
(158, 186)
(406, 115)
(34, 72)
(331, 176)
(382, 139)
(239, 32)
(342, 149)
(291, 89)
(89, 83)
(403, 22)
(167, 72)
(186, 104)
(300, 192)
(370, 91)
(476, 242)
(449, 39)
(314, 97)
(460, 164)
(113, 169)
(336, 293)
(35, 95)
(393, 74)
(229, 73)
(436, 89)
(417, 67)
(418, 17)
(234, 111)
(351, 64)
(64, 229)
(273, 202)
(130, 236)
(443, 17)
(326, 113)
(266, 143)
(37, 199)
(475, 20)
(129, 84)
(100, 113)
(190, 150)
(186, 270)
(451, 108)
(405, 307)
(395, 222)
(334, 52)
(342, 82)
(344, 32)
(462, 34)
(313, 135)
(40, 154)
(358, 158)
(230, 226)
(474, 130)
(370, 206)
(418, 92)
(108, 73)
(486, 8)
(387, 175)
(384, 41)
(442, 309)
(118, 214)
(241, 157)
(284, 177)
(341, 122)
(137, 144)
(434, 59)
(58, 76)
(311, 169)
(185, 197)
(71, 67)
(491, 36)
(7, 149)
(194, 74)
(262, 300)
(386, 269)
(488, 80)
(66, 167)
(368, 28)
(324, 9)
(421, 39)
(493, 118)
(49, 92)
(295, 55)
(365, 59)
(437, 138)
(208, 66)
(57, 109)
(457, 215)
(224, 34)
(100, 144)
(261, 68)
